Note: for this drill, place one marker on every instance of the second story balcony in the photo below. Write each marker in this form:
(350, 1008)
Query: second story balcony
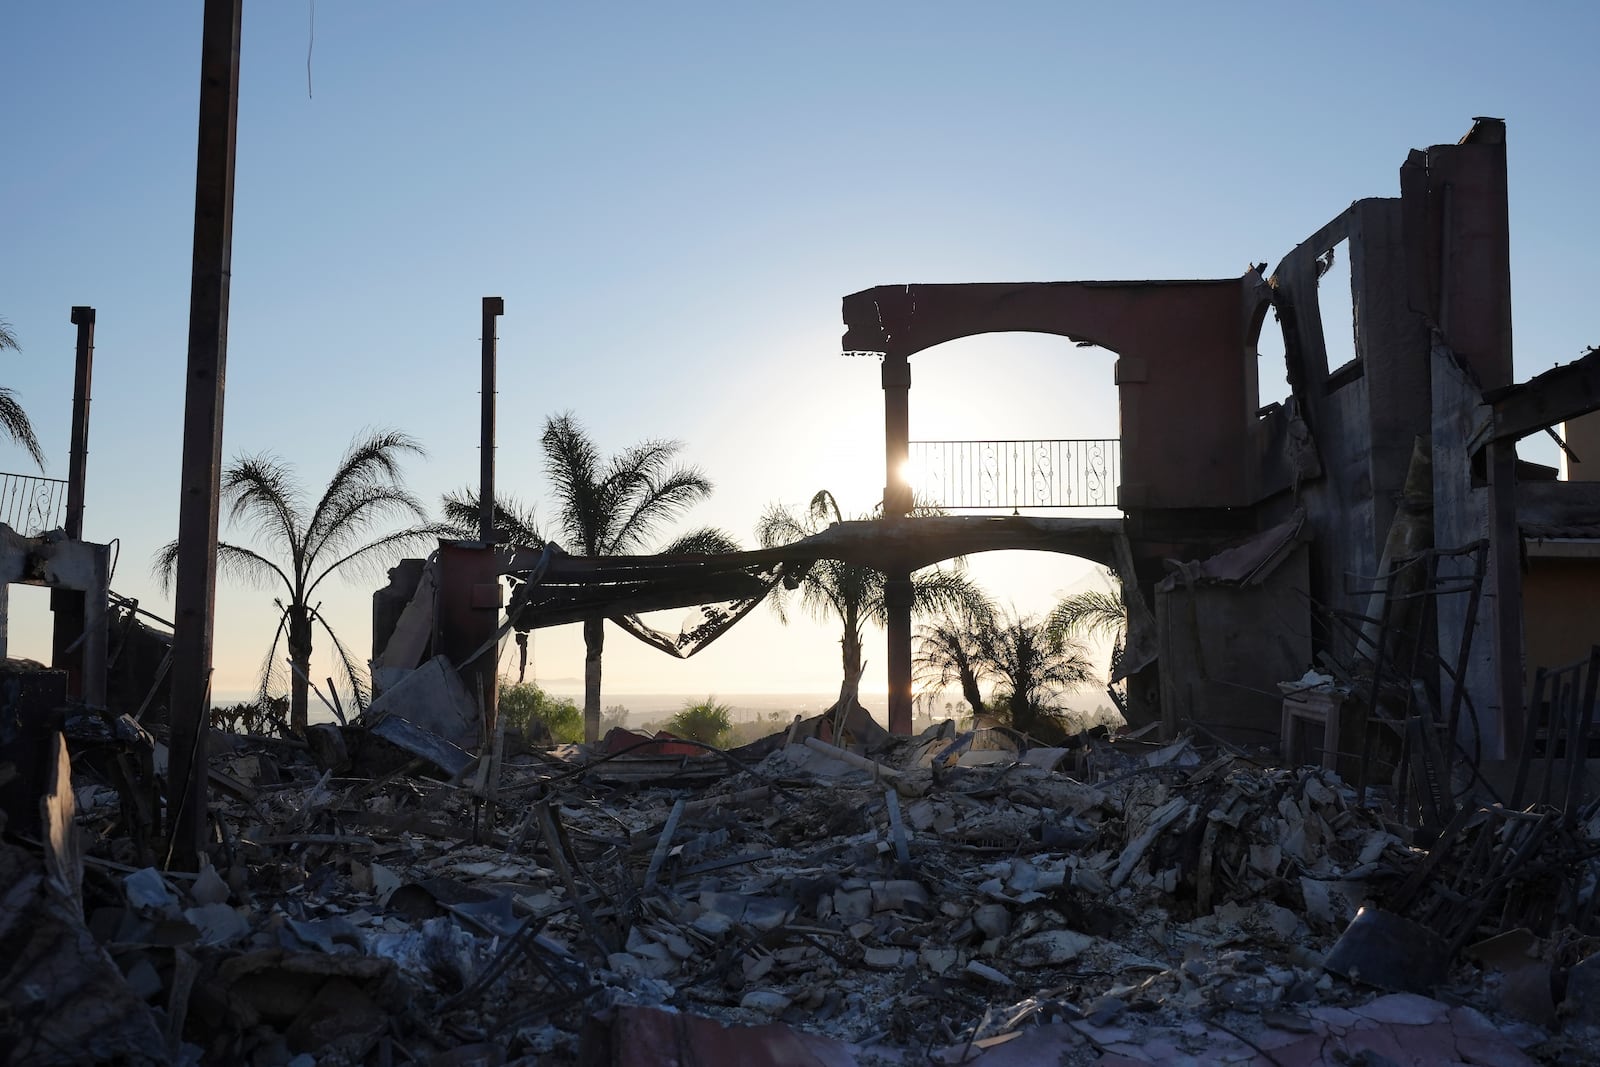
(31, 505)
(1016, 475)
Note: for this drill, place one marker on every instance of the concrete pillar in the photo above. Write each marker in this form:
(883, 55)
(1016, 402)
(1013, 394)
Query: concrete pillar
(897, 505)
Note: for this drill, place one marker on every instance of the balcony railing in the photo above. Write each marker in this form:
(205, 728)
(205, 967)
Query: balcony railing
(32, 505)
(987, 475)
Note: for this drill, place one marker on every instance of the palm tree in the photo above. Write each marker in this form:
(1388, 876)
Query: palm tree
(13, 420)
(852, 592)
(300, 549)
(1094, 613)
(948, 651)
(1036, 665)
(610, 507)
(514, 522)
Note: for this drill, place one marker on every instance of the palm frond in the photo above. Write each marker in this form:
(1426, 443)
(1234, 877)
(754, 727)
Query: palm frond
(779, 526)
(248, 566)
(937, 590)
(165, 566)
(1091, 613)
(572, 463)
(706, 541)
(15, 425)
(369, 461)
(366, 483)
(823, 509)
(461, 518)
(261, 491)
(653, 502)
(360, 512)
(13, 420)
(245, 564)
(272, 672)
(354, 674)
(372, 555)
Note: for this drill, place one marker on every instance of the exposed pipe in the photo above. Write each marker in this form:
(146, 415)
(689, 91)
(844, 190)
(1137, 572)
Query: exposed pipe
(493, 307)
(78, 457)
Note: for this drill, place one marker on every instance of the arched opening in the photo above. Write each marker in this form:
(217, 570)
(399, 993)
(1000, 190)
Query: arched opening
(1020, 423)
(1011, 423)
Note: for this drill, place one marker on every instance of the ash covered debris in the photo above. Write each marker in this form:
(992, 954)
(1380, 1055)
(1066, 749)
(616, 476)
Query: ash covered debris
(944, 898)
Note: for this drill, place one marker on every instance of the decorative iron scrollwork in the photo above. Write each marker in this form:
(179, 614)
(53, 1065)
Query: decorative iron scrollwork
(990, 475)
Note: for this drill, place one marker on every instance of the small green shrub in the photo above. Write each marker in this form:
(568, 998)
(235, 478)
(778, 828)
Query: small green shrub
(522, 703)
(708, 722)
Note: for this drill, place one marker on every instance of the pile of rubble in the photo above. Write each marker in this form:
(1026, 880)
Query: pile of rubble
(947, 899)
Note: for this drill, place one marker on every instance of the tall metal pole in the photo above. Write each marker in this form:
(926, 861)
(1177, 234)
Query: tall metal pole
(69, 607)
(195, 597)
(78, 457)
(493, 307)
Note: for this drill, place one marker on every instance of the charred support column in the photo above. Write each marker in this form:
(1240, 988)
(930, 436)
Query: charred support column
(469, 606)
(483, 675)
(195, 597)
(493, 308)
(69, 606)
(897, 505)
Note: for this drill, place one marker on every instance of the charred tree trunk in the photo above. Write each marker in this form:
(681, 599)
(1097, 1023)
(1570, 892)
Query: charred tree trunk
(594, 641)
(969, 689)
(300, 661)
(850, 649)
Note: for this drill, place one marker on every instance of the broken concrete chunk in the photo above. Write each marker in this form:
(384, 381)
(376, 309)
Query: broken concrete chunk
(852, 905)
(993, 919)
(1049, 948)
(885, 959)
(148, 894)
(712, 923)
(767, 1001)
(209, 888)
(218, 924)
(986, 973)
(897, 894)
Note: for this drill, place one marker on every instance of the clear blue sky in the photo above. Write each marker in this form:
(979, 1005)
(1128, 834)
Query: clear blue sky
(673, 198)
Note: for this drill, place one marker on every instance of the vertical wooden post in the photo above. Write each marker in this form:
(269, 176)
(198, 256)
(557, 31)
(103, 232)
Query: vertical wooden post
(195, 597)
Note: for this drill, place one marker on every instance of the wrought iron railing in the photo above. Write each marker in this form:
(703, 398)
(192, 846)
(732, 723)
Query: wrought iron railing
(957, 475)
(31, 505)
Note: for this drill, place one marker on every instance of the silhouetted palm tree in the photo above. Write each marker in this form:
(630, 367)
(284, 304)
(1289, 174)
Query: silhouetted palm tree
(852, 592)
(13, 420)
(1036, 664)
(514, 522)
(611, 507)
(299, 549)
(948, 651)
(1093, 613)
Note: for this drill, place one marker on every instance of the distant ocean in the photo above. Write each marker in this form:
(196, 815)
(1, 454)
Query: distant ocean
(748, 707)
(745, 707)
